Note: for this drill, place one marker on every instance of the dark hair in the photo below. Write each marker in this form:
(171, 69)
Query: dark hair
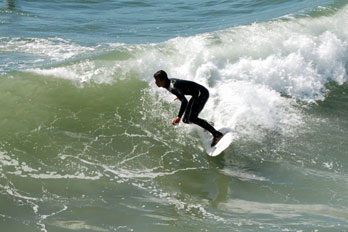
(162, 75)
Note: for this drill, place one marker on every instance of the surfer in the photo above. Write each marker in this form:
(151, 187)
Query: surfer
(190, 109)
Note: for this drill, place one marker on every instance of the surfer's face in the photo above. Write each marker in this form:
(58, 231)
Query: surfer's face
(160, 83)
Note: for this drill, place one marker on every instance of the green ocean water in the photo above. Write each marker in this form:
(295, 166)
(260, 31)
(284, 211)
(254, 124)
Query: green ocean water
(86, 142)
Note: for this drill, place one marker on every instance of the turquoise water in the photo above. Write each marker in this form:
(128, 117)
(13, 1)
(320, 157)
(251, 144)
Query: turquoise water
(85, 137)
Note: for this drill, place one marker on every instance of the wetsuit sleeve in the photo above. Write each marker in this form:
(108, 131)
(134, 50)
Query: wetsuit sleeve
(183, 100)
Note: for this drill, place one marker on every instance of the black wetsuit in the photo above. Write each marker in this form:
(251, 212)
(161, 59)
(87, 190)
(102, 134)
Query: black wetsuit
(199, 94)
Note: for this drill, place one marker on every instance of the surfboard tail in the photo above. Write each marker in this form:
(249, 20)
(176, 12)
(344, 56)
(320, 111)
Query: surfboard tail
(222, 145)
(217, 139)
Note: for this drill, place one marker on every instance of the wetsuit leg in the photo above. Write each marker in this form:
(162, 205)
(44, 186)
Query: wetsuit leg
(194, 107)
(204, 124)
(188, 111)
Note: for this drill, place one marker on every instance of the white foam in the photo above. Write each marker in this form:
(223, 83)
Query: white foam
(248, 69)
(24, 170)
(82, 72)
(54, 175)
(6, 160)
(56, 49)
(96, 70)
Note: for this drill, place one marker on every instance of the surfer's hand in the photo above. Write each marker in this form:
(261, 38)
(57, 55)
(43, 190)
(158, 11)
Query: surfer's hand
(176, 99)
(175, 121)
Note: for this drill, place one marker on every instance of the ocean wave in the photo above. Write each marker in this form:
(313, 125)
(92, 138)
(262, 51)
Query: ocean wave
(256, 74)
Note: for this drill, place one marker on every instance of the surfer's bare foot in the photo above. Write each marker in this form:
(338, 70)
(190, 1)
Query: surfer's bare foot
(216, 139)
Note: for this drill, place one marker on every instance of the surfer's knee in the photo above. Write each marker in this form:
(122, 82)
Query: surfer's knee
(186, 120)
(191, 120)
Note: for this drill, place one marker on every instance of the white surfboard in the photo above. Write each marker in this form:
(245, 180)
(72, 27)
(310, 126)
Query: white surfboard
(222, 145)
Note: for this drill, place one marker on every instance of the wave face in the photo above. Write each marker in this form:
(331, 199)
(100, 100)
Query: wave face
(86, 141)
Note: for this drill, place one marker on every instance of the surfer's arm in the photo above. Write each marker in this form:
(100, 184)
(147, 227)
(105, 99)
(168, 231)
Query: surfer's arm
(180, 96)
(183, 100)
(175, 88)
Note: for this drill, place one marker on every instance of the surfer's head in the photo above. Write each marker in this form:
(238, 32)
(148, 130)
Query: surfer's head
(161, 78)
